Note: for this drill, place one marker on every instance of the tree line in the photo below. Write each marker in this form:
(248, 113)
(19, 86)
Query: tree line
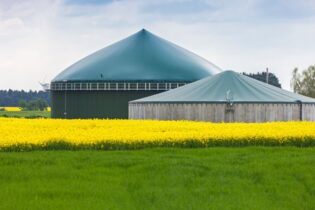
(34, 105)
(302, 81)
(262, 76)
(15, 97)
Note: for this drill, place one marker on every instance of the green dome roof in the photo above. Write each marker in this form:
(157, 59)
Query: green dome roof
(140, 57)
(228, 86)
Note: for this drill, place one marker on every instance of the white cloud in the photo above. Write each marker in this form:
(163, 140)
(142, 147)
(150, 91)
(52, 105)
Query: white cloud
(11, 24)
(39, 38)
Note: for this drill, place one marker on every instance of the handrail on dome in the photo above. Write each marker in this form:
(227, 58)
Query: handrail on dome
(113, 86)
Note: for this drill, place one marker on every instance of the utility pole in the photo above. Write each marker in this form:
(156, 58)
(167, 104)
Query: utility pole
(267, 76)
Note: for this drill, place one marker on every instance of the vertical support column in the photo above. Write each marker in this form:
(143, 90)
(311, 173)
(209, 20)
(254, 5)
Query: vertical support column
(65, 110)
(300, 110)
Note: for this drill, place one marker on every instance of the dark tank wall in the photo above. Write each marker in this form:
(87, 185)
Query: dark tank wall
(94, 104)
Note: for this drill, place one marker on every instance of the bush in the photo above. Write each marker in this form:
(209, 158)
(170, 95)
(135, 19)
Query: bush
(34, 105)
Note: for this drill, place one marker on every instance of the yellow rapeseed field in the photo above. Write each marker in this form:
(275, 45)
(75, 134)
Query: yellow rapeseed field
(18, 109)
(130, 134)
(12, 109)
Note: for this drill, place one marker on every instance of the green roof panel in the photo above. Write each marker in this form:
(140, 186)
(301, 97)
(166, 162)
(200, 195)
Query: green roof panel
(140, 57)
(228, 86)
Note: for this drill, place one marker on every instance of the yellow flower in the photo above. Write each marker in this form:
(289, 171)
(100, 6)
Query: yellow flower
(111, 134)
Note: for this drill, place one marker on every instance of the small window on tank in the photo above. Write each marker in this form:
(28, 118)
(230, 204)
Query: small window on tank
(112, 86)
(94, 86)
(162, 86)
(141, 86)
(133, 86)
(153, 86)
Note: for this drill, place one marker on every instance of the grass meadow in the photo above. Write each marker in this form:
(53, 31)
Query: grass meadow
(25, 114)
(161, 178)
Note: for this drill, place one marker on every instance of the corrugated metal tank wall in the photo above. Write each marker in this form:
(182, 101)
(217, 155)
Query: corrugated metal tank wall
(219, 112)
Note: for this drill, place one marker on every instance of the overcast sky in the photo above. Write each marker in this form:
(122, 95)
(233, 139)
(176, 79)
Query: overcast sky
(40, 38)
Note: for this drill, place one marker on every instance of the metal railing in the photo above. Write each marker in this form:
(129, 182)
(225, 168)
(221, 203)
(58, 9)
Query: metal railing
(112, 86)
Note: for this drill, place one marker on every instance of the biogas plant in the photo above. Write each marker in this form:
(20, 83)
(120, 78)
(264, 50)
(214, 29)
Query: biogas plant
(143, 70)
(101, 85)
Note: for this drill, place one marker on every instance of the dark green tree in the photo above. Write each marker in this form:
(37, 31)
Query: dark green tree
(262, 76)
(42, 104)
(23, 104)
(34, 105)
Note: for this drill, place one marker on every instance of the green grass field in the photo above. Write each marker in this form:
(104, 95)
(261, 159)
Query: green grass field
(25, 114)
(213, 178)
